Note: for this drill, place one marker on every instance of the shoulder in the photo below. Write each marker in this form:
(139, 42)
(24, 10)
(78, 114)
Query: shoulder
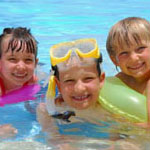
(41, 108)
(33, 80)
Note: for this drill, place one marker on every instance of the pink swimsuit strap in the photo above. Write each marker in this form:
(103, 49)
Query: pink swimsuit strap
(3, 91)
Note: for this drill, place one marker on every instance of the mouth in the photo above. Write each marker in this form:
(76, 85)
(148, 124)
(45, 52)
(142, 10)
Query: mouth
(19, 76)
(137, 67)
(81, 98)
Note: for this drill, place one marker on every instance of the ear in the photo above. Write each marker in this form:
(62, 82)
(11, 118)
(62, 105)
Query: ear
(114, 59)
(36, 61)
(102, 79)
(58, 84)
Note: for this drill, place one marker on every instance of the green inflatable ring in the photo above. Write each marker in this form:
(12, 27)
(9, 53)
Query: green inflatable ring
(118, 98)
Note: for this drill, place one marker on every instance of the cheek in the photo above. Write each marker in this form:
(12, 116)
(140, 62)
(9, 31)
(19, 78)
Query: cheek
(122, 59)
(64, 90)
(146, 56)
(122, 63)
(95, 87)
(6, 68)
(31, 67)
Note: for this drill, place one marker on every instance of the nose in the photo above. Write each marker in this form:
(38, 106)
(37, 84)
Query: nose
(80, 86)
(20, 65)
(134, 56)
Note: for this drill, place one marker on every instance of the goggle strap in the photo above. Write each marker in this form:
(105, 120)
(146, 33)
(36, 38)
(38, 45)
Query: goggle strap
(50, 105)
(51, 88)
(100, 58)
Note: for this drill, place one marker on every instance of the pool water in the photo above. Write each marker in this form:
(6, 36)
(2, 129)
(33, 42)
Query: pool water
(54, 21)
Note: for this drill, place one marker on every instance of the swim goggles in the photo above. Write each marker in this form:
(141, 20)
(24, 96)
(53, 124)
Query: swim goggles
(84, 48)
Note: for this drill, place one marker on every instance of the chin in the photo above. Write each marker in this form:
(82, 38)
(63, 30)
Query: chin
(19, 83)
(83, 107)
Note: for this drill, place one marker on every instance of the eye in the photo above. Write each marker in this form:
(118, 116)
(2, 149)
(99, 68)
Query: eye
(141, 49)
(28, 60)
(12, 59)
(69, 81)
(88, 79)
(123, 55)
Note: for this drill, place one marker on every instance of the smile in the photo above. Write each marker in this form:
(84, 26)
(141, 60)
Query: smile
(20, 75)
(81, 98)
(139, 66)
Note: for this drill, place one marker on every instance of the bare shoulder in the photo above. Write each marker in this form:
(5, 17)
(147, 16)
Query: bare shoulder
(33, 80)
(41, 109)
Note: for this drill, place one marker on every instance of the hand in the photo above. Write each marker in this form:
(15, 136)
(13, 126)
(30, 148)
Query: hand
(7, 131)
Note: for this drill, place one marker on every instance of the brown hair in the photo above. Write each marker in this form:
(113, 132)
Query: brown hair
(126, 33)
(98, 62)
(17, 35)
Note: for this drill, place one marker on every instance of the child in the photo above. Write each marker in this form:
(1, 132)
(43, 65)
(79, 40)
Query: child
(128, 45)
(77, 74)
(18, 59)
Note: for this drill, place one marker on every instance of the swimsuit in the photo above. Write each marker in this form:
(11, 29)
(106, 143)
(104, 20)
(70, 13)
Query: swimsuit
(3, 90)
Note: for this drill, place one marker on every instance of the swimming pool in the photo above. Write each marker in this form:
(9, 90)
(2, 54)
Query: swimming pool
(63, 20)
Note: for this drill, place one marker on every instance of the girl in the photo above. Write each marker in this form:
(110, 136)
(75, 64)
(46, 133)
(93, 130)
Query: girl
(18, 59)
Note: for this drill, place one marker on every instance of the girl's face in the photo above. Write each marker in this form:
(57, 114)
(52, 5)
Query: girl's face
(134, 61)
(80, 85)
(16, 68)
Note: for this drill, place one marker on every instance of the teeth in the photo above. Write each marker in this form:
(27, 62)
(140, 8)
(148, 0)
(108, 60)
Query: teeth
(137, 67)
(20, 75)
(80, 97)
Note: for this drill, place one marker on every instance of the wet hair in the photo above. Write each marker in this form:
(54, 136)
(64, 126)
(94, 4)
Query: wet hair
(98, 62)
(131, 31)
(19, 35)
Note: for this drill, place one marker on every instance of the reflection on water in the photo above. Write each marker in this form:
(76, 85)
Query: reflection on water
(129, 137)
(81, 144)
(120, 136)
(23, 145)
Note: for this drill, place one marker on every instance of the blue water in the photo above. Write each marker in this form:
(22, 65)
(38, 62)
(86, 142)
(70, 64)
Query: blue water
(54, 21)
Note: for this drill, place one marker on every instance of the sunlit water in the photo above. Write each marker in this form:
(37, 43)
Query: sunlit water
(54, 21)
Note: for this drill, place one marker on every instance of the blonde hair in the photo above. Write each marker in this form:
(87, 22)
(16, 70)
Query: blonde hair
(128, 32)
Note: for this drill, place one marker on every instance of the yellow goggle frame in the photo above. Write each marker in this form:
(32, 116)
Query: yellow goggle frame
(94, 53)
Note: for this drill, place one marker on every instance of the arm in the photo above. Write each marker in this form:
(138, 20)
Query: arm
(44, 119)
(48, 126)
(147, 90)
(148, 100)
(7, 131)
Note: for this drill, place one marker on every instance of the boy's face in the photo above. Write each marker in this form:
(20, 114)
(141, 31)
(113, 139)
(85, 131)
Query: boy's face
(134, 61)
(80, 85)
(16, 68)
